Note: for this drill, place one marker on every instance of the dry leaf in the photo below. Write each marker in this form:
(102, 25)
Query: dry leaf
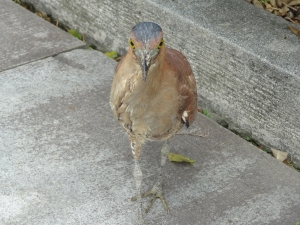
(279, 155)
(297, 13)
(294, 3)
(294, 30)
(273, 3)
(290, 15)
(292, 20)
(258, 4)
(269, 8)
(279, 3)
(283, 11)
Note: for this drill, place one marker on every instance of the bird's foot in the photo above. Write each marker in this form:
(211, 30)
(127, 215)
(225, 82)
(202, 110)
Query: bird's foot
(156, 191)
(140, 219)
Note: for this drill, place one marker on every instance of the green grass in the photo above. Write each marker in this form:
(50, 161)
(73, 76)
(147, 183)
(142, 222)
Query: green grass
(292, 165)
(204, 112)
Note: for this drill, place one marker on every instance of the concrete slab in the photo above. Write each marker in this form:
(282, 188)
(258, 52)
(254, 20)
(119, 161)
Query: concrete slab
(25, 37)
(65, 160)
(246, 60)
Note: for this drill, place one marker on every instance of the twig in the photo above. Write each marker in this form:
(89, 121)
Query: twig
(289, 6)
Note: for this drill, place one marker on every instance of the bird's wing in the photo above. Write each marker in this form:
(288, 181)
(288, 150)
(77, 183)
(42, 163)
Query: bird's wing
(118, 89)
(186, 85)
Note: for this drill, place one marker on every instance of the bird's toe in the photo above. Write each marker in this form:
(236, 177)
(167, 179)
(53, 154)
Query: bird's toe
(157, 192)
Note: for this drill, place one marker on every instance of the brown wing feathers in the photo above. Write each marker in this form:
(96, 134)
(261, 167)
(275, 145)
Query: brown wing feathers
(186, 85)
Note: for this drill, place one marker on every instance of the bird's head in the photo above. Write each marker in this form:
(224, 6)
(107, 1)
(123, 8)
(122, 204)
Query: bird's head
(146, 40)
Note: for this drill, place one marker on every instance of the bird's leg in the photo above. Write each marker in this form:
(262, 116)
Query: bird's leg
(138, 177)
(156, 191)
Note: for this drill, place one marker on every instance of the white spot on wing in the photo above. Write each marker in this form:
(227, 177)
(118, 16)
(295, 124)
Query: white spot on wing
(184, 116)
(132, 147)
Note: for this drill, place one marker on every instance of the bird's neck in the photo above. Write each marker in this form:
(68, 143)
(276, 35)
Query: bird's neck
(156, 71)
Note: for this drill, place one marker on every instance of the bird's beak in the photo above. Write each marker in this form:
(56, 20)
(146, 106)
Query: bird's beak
(145, 69)
(145, 62)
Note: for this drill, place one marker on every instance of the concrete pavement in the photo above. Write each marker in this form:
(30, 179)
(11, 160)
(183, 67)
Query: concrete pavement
(65, 160)
(245, 59)
(25, 37)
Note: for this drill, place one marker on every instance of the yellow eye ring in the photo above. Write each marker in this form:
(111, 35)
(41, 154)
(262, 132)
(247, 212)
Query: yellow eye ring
(131, 43)
(160, 44)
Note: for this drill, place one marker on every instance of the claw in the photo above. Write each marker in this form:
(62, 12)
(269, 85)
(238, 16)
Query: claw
(156, 191)
(155, 196)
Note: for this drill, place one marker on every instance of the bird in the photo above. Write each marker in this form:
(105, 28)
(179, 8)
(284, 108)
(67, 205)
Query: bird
(153, 95)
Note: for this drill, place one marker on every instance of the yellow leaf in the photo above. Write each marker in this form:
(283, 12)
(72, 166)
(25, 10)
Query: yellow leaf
(111, 54)
(75, 33)
(179, 158)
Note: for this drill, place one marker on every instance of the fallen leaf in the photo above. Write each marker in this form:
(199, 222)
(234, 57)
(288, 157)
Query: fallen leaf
(269, 7)
(294, 30)
(279, 3)
(284, 10)
(111, 54)
(294, 3)
(297, 13)
(118, 59)
(40, 14)
(276, 13)
(279, 155)
(179, 158)
(74, 33)
(273, 3)
(290, 15)
(258, 4)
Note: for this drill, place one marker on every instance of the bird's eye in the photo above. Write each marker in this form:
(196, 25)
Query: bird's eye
(161, 43)
(131, 43)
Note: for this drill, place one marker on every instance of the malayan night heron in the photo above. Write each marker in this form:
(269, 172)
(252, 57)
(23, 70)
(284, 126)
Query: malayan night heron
(153, 95)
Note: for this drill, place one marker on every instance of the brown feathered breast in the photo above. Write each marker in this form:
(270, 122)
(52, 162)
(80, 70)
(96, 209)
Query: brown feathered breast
(157, 108)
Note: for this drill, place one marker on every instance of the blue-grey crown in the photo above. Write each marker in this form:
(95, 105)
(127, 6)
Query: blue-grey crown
(145, 31)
